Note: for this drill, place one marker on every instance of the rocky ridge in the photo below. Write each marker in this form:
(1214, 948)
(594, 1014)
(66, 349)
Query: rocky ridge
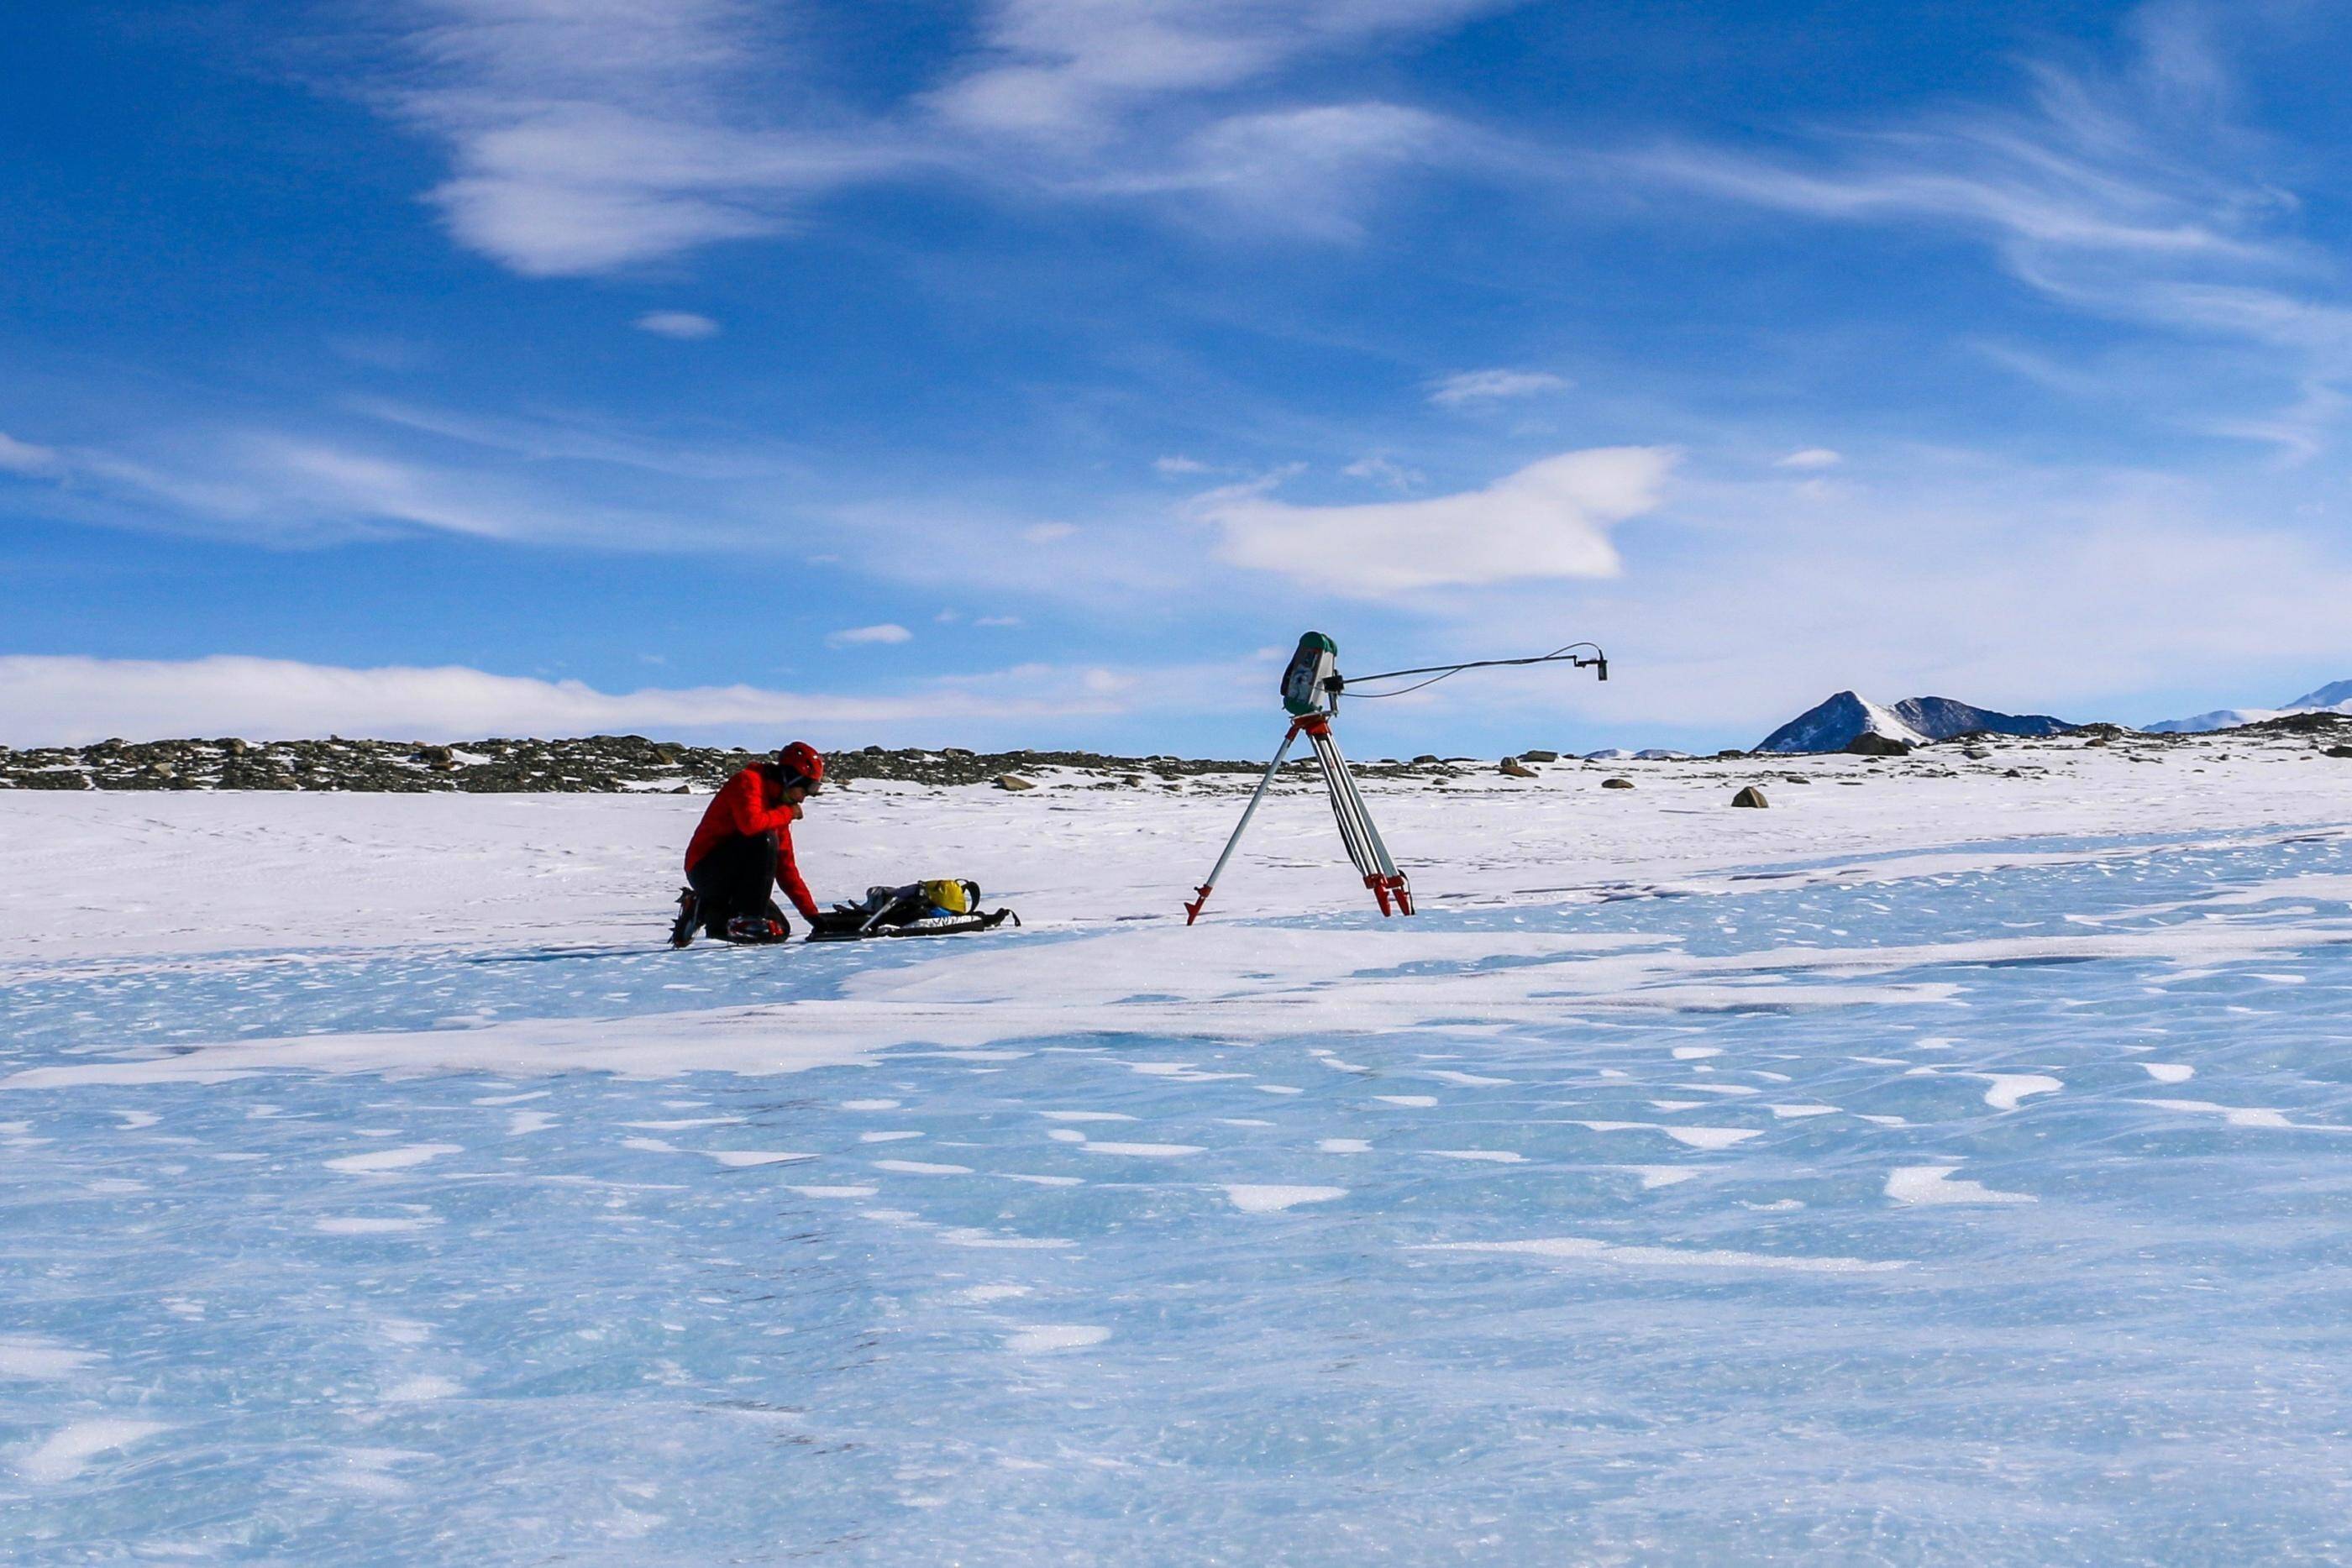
(610, 764)
(601, 764)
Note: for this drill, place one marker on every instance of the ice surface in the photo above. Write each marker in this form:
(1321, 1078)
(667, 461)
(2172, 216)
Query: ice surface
(519, 1238)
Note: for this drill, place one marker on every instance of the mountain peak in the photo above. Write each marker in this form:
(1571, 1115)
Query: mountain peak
(1836, 722)
(2335, 695)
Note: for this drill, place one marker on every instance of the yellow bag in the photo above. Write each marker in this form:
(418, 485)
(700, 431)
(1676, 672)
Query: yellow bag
(955, 897)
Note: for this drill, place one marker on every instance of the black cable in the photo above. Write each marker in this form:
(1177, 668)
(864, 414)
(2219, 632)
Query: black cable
(1446, 672)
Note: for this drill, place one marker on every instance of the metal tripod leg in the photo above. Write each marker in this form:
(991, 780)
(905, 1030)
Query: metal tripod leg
(1365, 847)
(1193, 910)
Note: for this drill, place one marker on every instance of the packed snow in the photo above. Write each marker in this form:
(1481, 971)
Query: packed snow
(1951, 1162)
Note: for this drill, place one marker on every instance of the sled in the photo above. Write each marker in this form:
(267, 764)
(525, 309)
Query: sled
(952, 926)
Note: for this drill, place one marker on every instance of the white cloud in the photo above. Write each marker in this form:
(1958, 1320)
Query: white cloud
(1048, 533)
(595, 135)
(600, 134)
(888, 632)
(1811, 457)
(1551, 520)
(2021, 587)
(23, 457)
(1469, 387)
(684, 325)
(998, 620)
(1179, 465)
(48, 700)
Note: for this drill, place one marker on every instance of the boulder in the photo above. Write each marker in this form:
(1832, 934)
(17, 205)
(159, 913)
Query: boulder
(1751, 797)
(1616, 783)
(1014, 781)
(1539, 755)
(1513, 768)
(1870, 744)
(2339, 751)
(1425, 758)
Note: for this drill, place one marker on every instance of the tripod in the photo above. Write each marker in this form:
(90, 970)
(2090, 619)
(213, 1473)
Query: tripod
(1356, 831)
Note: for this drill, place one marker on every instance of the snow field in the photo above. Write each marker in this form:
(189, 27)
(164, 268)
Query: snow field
(1680, 1187)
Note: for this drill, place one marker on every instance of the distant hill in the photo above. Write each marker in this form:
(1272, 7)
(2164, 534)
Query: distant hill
(2334, 698)
(1837, 723)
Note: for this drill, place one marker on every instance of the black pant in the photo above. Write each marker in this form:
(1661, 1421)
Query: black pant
(735, 877)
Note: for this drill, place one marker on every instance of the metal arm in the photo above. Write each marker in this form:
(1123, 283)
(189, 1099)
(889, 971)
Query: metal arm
(1599, 659)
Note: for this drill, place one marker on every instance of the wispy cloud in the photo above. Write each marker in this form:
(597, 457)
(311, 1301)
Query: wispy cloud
(571, 436)
(857, 636)
(1468, 387)
(1551, 520)
(600, 135)
(1384, 471)
(1810, 458)
(2130, 193)
(683, 325)
(604, 133)
(1311, 172)
(283, 488)
(1060, 68)
(23, 457)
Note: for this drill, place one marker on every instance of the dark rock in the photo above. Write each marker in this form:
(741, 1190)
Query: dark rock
(1424, 760)
(2297, 723)
(1015, 782)
(1872, 745)
(1513, 768)
(1750, 797)
(1616, 783)
(2339, 751)
(1539, 755)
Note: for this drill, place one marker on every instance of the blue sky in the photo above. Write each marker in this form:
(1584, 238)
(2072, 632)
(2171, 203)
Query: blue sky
(1032, 371)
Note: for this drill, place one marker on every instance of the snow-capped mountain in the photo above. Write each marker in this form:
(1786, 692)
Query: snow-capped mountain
(2334, 698)
(1833, 725)
(1836, 724)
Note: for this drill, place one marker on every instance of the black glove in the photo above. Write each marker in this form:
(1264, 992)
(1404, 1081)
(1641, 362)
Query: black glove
(839, 919)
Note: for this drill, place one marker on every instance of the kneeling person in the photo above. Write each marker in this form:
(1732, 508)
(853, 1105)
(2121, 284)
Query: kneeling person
(743, 850)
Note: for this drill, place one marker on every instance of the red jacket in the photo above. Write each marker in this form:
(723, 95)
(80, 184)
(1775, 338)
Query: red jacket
(751, 803)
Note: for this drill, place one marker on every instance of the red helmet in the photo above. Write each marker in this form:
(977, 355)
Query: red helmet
(801, 760)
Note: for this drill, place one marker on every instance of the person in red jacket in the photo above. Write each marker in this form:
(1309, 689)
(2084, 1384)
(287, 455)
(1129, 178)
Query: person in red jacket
(742, 849)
